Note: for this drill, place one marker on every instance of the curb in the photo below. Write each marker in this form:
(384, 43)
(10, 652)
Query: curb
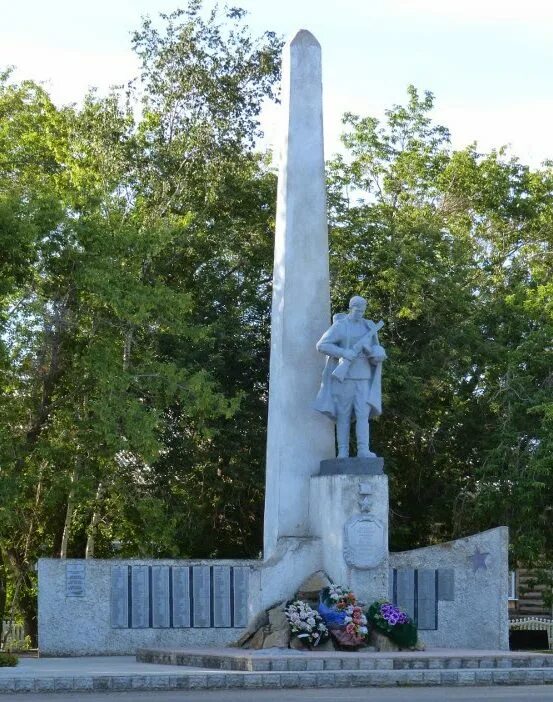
(286, 680)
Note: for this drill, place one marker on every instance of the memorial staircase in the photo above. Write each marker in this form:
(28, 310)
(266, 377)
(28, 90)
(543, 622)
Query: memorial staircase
(277, 668)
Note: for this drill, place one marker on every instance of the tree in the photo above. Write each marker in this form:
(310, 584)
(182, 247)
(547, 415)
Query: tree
(449, 248)
(126, 314)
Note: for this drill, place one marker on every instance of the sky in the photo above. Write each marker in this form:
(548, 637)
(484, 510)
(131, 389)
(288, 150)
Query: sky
(489, 63)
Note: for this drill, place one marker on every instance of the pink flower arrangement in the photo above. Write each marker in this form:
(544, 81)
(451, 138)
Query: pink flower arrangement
(343, 616)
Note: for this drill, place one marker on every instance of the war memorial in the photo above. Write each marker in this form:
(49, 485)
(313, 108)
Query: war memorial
(326, 512)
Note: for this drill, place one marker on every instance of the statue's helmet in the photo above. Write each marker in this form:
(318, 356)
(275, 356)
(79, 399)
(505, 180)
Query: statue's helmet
(357, 301)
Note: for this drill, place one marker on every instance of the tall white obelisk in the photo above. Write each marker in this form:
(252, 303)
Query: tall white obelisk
(298, 436)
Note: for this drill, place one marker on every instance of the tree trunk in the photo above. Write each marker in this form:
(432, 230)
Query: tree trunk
(68, 516)
(127, 346)
(89, 551)
(27, 605)
(3, 593)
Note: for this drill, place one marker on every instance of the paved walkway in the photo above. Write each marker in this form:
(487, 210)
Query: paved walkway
(87, 665)
(450, 694)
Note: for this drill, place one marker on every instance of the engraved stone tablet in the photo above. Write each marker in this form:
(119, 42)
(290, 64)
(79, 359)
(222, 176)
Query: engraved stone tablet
(160, 597)
(75, 580)
(446, 584)
(426, 600)
(201, 590)
(119, 597)
(241, 589)
(364, 542)
(181, 596)
(405, 590)
(140, 592)
(221, 596)
(391, 576)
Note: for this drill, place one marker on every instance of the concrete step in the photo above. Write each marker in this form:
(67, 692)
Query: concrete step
(221, 679)
(288, 660)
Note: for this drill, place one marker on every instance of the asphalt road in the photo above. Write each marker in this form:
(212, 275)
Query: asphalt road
(535, 693)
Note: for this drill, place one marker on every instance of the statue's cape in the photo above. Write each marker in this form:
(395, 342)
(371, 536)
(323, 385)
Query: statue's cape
(324, 402)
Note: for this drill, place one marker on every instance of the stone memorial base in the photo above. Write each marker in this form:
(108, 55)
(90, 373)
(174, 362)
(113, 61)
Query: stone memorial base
(456, 592)
(349, 514)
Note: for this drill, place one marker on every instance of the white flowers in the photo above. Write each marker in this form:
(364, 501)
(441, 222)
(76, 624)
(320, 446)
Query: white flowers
(337, 592)
(306, 623)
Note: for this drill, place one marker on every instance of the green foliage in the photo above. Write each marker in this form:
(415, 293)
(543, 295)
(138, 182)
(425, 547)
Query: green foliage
(8, 659)
(131, 324)
(453, 249)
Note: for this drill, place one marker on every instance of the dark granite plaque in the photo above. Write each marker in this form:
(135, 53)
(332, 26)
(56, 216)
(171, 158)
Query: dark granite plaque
(181, 596)
(355, 465)
(241, 589)
(201, 590)
(140, 591)
(446, 584)
(426, 600)
(405, 590)
(75, 580)
(119, 597)
(160, 597)
(221, 596)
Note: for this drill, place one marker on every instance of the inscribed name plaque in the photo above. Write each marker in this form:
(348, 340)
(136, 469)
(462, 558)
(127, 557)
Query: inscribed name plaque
(240, 595)
(427, 611)
(405, 590)
(140, 593)
(221, 596)
(446, 584)
(75, 580)
(201, 589)
(364, 542)
(160, 597)
(181, 596)
(119, 597)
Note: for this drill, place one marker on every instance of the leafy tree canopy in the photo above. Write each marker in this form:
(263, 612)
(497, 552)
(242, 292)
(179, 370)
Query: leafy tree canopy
(133, 305)
(453, 249)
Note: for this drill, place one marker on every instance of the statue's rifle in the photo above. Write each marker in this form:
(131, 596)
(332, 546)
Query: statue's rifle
(341, 370)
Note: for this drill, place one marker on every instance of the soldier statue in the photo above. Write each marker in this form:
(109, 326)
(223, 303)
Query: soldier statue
(351, 382)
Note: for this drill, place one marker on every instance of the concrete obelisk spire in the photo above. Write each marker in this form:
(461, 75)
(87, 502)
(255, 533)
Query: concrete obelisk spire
(298, 437)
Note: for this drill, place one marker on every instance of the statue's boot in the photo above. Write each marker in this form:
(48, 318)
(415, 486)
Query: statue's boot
(342, 435)
(362, 436)
(363, 452)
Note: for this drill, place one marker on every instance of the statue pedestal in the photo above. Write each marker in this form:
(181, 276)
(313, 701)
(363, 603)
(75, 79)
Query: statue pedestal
(349, 514)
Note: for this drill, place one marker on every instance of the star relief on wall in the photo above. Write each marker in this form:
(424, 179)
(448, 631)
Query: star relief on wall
(478, 560)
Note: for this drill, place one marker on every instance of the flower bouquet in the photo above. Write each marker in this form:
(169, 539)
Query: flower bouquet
(305, 623)
(343, 616)
(393, 622)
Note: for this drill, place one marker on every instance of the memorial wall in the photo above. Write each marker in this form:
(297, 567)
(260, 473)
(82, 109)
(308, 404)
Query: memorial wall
(115, 606)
